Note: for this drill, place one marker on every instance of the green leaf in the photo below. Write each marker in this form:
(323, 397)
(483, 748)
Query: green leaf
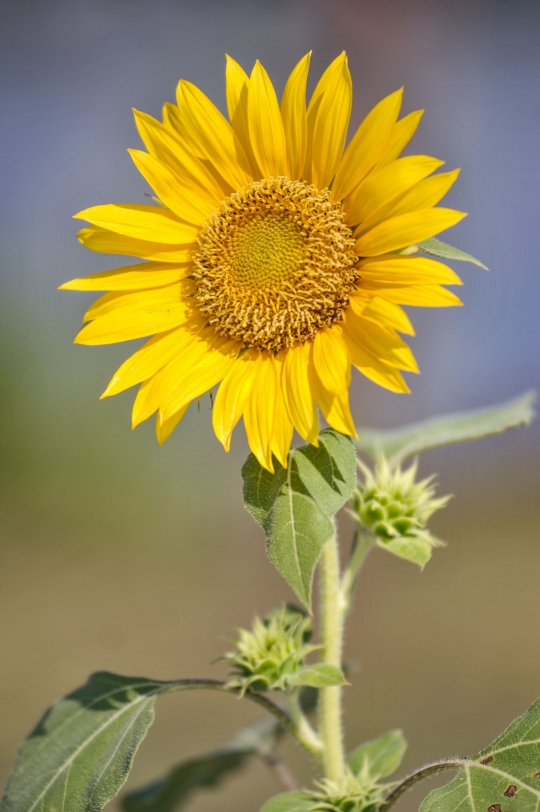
(412, 549)
(172, 792)
(289, 802)
(503, 778)
(320, 675)
(81, 752)
(398, 444)
(295, 505)
(383, 755)
(436, 248)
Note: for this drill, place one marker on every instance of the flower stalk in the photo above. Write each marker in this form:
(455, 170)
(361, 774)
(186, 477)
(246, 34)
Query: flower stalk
(331, 639)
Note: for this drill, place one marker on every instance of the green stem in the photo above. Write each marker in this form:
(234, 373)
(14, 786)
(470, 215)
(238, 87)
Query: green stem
(331, 638)
(304, 732)
(419, 775)
(363, 542)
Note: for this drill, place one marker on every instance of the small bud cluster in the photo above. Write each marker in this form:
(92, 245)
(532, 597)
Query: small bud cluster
(395, 508)
(271, 653)
(353, 793)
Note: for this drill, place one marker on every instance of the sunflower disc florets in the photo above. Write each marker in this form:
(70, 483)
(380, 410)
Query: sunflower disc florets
(269, 655)
(396, 509)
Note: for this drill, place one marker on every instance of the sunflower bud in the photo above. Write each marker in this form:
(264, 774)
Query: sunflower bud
(396, 509)
(352, 793)
(273, 652)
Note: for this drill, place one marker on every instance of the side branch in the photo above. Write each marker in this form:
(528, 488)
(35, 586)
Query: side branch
(220, 685)
(419, 775)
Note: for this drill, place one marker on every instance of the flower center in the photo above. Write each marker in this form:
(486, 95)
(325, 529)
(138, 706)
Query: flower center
(275, 263)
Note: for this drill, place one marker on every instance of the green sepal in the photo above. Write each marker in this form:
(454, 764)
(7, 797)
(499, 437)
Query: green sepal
(504, 777)
(79, 755)
(398, 444)
(436, 248)
(321, 675)
(382, 756)
(289, 802)
(295, 505)
(411, 549)
(172, 792)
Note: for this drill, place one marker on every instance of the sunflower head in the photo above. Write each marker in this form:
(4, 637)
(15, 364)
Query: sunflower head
(276, 259)
(275, 264)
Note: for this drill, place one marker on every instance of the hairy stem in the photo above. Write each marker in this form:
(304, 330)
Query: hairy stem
(304, 732)
(362, 544)
(419, 775)
(331, 635)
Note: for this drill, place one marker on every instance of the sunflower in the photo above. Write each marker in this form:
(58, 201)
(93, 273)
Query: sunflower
(277, 259)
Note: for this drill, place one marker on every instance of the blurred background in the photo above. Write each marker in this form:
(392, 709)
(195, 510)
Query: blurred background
(117, 554)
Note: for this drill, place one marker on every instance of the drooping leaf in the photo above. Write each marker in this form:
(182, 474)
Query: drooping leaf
(81, 752)
(383, 755)
(503, 778)
(169, 794)
(321, 675)
(436, 248)
(289, 802)
(398, 444)
(296, 534)
(295, 505)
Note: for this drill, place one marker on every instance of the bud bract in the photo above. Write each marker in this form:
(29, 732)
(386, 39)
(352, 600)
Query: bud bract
(267, 657)
(395, 509)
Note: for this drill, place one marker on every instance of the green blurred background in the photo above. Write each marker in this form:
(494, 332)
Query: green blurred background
(117, 554)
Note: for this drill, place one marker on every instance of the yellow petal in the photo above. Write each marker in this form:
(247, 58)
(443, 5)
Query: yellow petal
(334, 405)
(214, 135)
(293, 113)
(195, 371)
(282, 430)
(104, 241)
(421, 296)
(382, 312)
(166, 145)
(367, 145)
(402, 132)
(380, 341)
(131, 277)
(373, 368)
(331, 123)
(154, 355)
(232, 395)
(137, 321)
(259, 411)
(265, 125)
(164, 428)
(237, 89)
(323, 87)
(297, 393)
(425, 194)
(196, 368)
(384, 186)
(117, 300)
(406, 229)
(332, 360)
(146, 402)
(390, 270)
(179, 123)
(151, 223)
(188, 204)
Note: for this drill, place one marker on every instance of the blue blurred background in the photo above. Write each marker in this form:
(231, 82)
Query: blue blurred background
(118, 554)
